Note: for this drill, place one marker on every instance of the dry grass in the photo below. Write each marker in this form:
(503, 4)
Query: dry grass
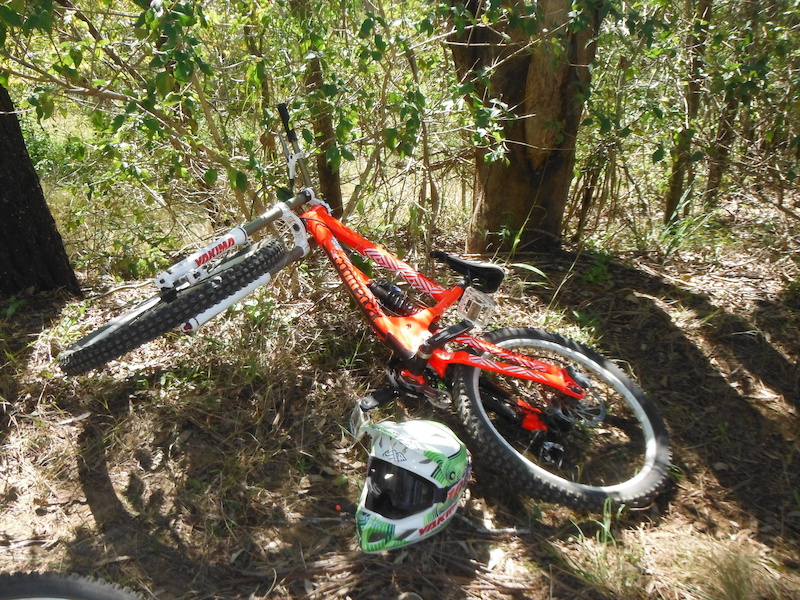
(218, 465)
(676, 560)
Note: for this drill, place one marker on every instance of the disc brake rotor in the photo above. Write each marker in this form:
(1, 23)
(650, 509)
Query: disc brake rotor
(572, 410)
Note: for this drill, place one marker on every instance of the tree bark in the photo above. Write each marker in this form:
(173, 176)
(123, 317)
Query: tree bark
(681, 153)
(719, 152)
(330, 181)
(32, 255)
(520, 203)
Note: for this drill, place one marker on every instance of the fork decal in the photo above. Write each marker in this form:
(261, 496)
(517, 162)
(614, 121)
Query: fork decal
(215, 251)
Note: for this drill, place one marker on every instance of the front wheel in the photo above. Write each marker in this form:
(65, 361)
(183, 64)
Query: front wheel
(157, 315)
(610, 446)
(55, 586)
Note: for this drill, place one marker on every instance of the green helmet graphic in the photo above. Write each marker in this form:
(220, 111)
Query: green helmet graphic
(416, 475)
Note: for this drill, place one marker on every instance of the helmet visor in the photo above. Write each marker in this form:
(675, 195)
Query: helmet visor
(397, 493)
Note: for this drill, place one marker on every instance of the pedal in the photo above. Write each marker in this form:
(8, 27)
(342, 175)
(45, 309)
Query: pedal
(579, 378)
(442, 337)
(379, 398)
(553, 453)
(359, 418)
(417, 386)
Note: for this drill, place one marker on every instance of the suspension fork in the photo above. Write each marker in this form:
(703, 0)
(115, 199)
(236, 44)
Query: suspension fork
(185, 272)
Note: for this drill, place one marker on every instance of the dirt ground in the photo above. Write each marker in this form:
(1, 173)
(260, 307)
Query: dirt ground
(218, 465)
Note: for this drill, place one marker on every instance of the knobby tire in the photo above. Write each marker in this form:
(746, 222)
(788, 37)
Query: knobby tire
(157, 316)
(622, 456)
(57, 586)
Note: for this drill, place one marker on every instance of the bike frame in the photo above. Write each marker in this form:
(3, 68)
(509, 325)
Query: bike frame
(405, 335)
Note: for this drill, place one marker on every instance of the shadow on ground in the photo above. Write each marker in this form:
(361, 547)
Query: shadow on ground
(728, 383)
(197, 495)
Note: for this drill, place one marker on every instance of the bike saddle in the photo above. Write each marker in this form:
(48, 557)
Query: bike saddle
(484, 276)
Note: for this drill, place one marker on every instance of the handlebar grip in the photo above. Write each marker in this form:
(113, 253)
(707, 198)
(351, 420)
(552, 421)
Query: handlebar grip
(284, 112)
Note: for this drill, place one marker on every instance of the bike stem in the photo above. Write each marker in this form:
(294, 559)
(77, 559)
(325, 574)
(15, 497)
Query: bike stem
(277, 211)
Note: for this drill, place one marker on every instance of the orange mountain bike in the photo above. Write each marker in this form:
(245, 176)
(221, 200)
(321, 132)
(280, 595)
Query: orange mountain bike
(552, 414)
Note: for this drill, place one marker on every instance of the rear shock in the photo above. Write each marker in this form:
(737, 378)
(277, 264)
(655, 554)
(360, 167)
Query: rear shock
(392, 298)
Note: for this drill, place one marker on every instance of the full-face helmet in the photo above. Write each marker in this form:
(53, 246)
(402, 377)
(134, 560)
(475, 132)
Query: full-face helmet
(416, 475)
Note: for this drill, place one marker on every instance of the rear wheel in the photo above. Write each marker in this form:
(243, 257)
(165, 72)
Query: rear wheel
(156, 316)
(612, 445)
(55, 586)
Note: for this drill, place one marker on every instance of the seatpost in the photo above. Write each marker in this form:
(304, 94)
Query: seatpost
(297, 153)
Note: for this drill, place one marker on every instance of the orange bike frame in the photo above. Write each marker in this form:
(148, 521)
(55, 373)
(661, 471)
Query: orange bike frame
(405, 334)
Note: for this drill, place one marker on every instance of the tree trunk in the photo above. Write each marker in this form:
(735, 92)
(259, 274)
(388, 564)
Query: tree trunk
(520, 203)
(32, 255)
(330, 182)
(681, 153)
(719, 152)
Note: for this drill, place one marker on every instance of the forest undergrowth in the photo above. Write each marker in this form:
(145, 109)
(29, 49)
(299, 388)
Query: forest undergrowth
(219, 465)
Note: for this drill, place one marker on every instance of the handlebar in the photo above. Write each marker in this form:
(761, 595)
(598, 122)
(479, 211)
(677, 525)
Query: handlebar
(297, 155)
(283, 110)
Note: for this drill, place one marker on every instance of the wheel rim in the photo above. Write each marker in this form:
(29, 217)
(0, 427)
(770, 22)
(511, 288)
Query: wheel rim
(122, 320)
(610, 458)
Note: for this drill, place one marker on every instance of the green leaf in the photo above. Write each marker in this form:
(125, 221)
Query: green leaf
(41, 20)
(44, 104)
(530, 268)
(184, 70)
(10, 16)
(390, 137)
(98, 119)
(151, 124)
(237, 179)
(204, 67)
(317, 41)
(366, 28)
(76, 55)
(211, 176)
(425, 26)
(117, 122)
(164, 83)
(466, 88)
(334, 158)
